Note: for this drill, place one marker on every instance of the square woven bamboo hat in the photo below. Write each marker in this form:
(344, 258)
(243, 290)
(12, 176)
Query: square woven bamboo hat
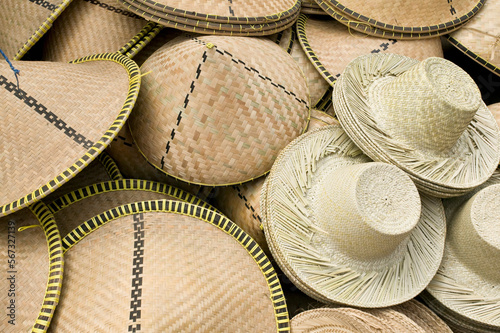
(425, 117)
(51, 128)
(347, 230)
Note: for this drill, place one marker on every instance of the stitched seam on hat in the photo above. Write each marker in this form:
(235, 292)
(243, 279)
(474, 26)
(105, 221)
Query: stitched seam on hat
(43, 111)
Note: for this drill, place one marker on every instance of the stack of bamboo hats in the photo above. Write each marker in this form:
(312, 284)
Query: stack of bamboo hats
(404, 20)
(249, 18)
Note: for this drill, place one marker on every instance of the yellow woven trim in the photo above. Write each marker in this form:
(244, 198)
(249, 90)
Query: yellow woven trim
(143, 41)
(109, 164)
(56, 267)
(41, 30)
(206, 215)
(144, 31)
(134, 85)
(495, 69)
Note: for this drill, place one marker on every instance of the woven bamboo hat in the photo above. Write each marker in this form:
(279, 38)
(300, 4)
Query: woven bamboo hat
(407, 16)
(67, 129)
(289, 42)
(24, 22)
(214, 24)
(91, 27)
(466, 288)
(32, 269)
(72, 209)
(167, 266)
(348, 231)
(425, 117)
(217, 110)
(330, 46)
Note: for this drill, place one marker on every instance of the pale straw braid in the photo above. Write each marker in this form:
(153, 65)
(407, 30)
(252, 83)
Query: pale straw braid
(289, 229)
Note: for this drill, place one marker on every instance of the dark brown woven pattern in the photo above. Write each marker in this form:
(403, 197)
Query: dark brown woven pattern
(217, 110)
(193, 277)
(90, 27)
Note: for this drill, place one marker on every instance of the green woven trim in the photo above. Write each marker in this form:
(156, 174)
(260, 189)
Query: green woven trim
(204, 214)
(56, 266)
(94, 151)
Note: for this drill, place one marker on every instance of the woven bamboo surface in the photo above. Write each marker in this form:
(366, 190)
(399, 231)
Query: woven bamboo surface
(26, 285)
(422, 316)
(229, 96)
(164, 36)
(309, 4)
(330, 46)
(225, 12)
(313, 11)
(289, 42)
(466, 285)
(320, 119)
(67, 130)
(90, 27)
(24, 22)
(186, 273)
(480, 38)
(431, 159)
(409, 16)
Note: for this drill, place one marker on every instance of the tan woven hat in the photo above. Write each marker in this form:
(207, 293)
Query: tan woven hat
(167, 266)
(72, 209)
(466, 288)
(425, 117)
(348, 231)
(24, 22)
(480, 38)
(330, 46)
(32, 269)
(217, 110)
(91, 27)
(422, 316)
(407, 16)
(495, 110)
(53, 129)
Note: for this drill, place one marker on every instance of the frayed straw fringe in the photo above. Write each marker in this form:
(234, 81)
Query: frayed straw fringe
(463, 300)
(291, 229)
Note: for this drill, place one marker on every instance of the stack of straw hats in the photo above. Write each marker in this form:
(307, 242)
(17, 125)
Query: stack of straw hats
(221, 17)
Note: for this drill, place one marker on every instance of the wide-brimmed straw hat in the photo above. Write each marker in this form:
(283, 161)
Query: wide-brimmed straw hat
(53, 129)
(32, 260)
(167, 266)
(348, 231)
(72, 209)
(408, 16)
(426, 117)
(91, 27)
(24, 22)
(213, 18)
(465, 290)
(480, 38)
(217, 110)
(330, 46)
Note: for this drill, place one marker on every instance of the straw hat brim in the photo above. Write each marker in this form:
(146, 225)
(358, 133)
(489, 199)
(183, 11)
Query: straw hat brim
(34, 265)
(473, 55)
(330, 46)
(371, 30)
(395, 282)
(208, 12)
(50, 166)
(163, 240)
(430, 172)
(405, 12)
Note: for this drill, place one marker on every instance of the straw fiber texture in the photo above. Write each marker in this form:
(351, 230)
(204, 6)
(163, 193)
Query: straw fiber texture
(223, 11)
(425, 117)
(67, 130)
(289, 42)
(24, 22)
(495, 110)
(467, 282)
(372, 30)
(76, 207)
(133, 165)
(330, 46)
(167, 271)
(320, 119)
(347, 231)
(90, 27)
(480, 38)
(422, 316)
(217, 110)
(409, 16)
(32, 272)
